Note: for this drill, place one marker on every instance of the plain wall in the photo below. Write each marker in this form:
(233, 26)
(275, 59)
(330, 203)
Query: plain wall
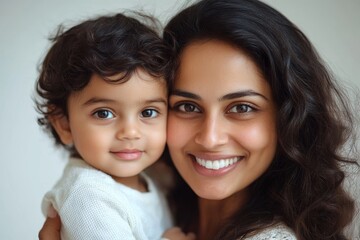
(30, 164)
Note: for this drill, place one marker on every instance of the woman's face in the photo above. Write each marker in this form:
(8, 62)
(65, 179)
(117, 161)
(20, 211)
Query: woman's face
(222, 120)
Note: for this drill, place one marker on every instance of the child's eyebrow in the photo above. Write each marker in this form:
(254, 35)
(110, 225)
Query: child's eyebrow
(95, 100)
(157, 100)
(98, 100)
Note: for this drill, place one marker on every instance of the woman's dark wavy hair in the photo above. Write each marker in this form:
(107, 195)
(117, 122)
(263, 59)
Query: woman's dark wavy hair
(105, 46)
(303, 186)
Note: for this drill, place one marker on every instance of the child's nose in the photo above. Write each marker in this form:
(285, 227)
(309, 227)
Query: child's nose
(128, 130)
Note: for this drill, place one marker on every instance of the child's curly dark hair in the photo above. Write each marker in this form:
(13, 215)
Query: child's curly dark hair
(105, 46)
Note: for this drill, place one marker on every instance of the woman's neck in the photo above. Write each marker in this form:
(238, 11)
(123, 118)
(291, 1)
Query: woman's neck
(213, 214)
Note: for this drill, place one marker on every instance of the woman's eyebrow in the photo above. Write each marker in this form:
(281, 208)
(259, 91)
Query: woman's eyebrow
(185, 94)
(241, 94)
(229, 96)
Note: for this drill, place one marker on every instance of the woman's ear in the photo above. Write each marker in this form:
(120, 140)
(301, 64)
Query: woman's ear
(62, 127)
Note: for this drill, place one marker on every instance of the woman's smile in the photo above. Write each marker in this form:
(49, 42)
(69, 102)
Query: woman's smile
(217, 164)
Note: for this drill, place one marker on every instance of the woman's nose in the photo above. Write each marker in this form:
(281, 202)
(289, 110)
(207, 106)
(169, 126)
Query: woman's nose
(128, 129)
(212, 132)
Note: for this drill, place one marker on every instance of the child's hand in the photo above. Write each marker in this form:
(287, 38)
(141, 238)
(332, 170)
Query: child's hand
(176, 233)
(51, 229)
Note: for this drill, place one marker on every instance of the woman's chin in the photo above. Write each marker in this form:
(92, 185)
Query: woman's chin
(212, 193)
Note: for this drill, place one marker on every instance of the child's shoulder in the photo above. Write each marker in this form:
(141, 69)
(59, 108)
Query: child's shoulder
(79, 176)
(79, 184)
(275, 232)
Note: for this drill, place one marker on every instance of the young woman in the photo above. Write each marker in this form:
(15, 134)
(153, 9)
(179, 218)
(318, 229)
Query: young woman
(255, 128)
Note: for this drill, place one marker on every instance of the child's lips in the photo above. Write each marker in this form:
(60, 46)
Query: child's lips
(128, 154)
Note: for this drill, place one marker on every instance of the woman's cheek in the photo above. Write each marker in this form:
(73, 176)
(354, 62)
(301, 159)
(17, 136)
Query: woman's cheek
(180, 131)
(173, 127)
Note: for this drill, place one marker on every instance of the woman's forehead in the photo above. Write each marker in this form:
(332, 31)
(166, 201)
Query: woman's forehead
(216, 65)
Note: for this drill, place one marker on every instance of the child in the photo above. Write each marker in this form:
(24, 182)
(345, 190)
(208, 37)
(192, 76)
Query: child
(104, 98)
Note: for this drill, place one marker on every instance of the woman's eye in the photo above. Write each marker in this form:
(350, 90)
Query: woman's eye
(241, 108)
(104, 114)
(149, 113)
(187, 107)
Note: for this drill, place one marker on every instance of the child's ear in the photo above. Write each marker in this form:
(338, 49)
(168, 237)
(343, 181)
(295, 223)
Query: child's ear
(62, 127)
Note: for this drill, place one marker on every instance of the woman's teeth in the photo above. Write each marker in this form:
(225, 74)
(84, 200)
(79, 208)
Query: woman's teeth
(217, 164)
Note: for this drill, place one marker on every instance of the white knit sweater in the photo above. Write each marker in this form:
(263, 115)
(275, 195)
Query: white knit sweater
(92, 205)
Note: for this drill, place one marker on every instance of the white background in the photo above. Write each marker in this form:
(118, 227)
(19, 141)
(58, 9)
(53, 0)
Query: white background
(30, 164)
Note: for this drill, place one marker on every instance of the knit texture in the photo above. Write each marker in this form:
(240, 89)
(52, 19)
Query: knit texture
(92, 205)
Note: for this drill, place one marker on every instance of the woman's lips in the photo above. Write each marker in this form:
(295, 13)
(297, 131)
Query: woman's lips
(128, 154)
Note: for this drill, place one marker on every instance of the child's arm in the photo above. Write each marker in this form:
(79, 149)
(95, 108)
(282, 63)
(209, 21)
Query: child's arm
(52, 226)
(176, 233)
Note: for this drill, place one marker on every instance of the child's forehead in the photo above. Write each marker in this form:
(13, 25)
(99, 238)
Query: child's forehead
(119, 86)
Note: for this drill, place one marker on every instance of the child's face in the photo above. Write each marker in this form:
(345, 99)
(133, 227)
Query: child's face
(119, 129)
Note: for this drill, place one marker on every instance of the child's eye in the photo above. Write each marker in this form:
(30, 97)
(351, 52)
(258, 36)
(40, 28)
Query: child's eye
(103, 114)
(187, 108)
(149, 113)
(241, 108)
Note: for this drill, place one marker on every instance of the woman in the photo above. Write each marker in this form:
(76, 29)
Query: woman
(255, 127)
(249, 87)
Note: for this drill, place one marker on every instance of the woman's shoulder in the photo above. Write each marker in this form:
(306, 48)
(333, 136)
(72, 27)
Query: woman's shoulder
(276, 232)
